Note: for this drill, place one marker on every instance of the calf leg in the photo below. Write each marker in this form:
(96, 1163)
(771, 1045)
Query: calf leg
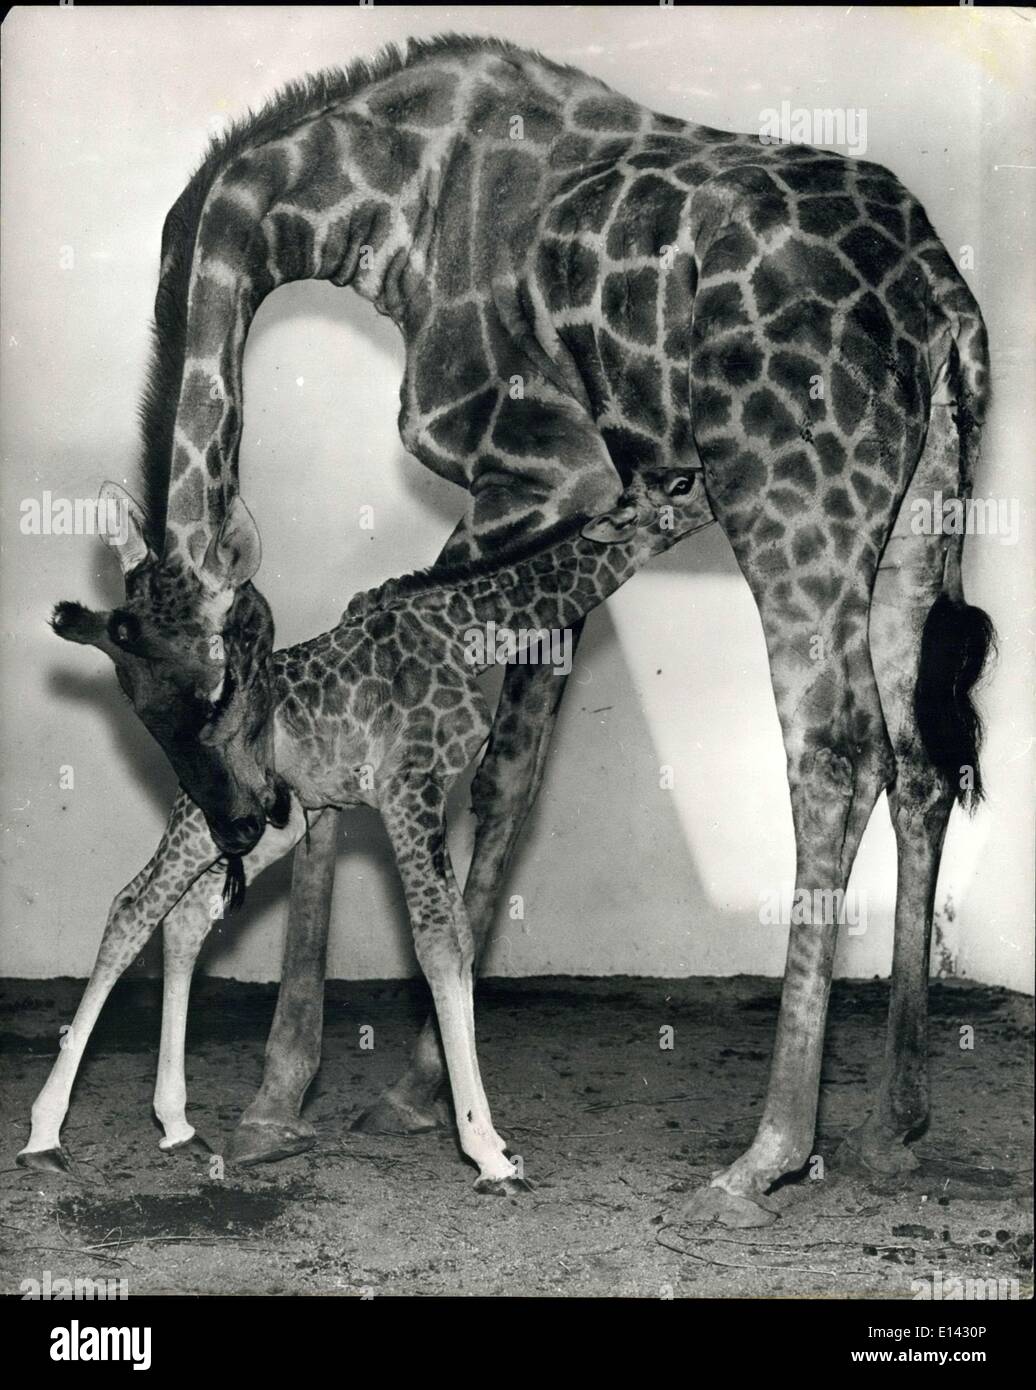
(185, 929)
(414, 812)
(502, 795)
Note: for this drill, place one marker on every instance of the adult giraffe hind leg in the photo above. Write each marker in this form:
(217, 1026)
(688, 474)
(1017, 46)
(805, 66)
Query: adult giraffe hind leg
(911, 579)
(838, 763)
(806, 487)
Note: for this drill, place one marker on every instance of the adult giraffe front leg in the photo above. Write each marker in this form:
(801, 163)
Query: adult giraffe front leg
(517, 491)
(272, 1127)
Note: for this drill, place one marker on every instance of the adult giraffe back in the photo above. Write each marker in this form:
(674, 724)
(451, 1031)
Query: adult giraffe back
(584, 288)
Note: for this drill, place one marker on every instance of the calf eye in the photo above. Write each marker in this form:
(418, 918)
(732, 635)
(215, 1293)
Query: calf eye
(679, 487)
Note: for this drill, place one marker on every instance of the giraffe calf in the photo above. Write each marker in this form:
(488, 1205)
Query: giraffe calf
(383, 710)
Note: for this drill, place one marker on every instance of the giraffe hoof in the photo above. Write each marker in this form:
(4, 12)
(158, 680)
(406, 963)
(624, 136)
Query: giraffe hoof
(45, 1160)
(390, 1116)
(728, 1209)
(195, 1146)
(867, 1148)
(503, 1187)
(267, 1143)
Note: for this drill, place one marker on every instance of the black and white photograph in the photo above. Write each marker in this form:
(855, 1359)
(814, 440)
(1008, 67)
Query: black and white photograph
(397, 901)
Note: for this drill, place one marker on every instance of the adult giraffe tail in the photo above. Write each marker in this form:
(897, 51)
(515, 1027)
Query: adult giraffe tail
(957, 638)
(955, 643)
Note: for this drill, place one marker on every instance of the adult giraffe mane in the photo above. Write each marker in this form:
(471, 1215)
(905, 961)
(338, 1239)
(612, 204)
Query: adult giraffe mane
(294, 102)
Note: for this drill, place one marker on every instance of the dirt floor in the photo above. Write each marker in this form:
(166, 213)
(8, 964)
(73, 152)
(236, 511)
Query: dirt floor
(612, 1128)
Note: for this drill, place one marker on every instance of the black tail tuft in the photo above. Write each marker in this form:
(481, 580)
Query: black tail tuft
(955, 643)
(234, 884)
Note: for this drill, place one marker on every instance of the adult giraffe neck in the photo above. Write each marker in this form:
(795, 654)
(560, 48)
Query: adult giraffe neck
(266, 220)
(417, 182)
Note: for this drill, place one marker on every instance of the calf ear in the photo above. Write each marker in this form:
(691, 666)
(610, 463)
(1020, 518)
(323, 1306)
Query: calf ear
(235, 552)
(122, 526)
(612, 526)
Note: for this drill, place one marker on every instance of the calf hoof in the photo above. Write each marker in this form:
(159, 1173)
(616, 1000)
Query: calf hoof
(45, 1160)
(728, 1209)
(194, 1147)
(502, 1187)
(877, 1152)
(391, 1116)
(268, 1143)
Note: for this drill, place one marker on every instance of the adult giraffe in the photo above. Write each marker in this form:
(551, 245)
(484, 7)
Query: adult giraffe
(586, 288)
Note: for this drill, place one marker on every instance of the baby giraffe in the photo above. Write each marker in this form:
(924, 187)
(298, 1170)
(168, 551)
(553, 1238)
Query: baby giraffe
(383, 710)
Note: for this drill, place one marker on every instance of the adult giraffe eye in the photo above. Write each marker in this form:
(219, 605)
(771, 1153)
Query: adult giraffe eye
(679, 487)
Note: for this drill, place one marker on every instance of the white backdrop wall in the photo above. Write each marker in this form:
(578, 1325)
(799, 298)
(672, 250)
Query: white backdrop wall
(105, 114)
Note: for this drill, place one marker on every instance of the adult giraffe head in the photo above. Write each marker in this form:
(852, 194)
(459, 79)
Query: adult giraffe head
(192, 644)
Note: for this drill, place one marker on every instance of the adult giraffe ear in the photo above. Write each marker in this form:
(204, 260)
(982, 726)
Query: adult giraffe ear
(610, 527)
(122, 526)
(235, 552)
